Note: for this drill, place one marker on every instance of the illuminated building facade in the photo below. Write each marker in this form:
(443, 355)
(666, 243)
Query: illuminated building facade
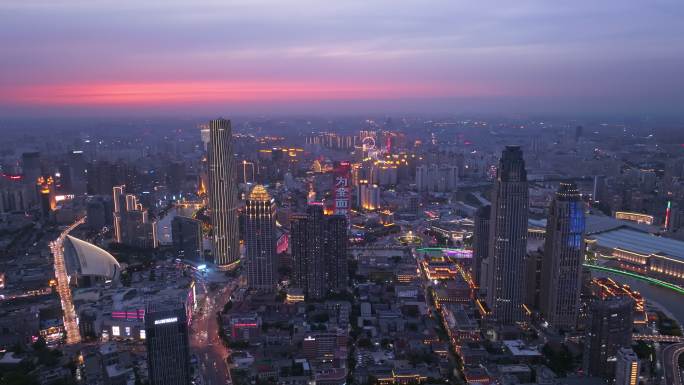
(223, 193)
(132, 224)
(260, 240)
(634, 217)
(368, 196)
(119, 208)
(643, 253)
(563, 256)
(508, 238)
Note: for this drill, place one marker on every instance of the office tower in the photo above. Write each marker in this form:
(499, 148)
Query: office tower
(599, 188)
(78, 172)
(96, 218)
(260, 240)
(186, 236)
(563, 257)
(31, 167)
(627, 367)
(609, 328)
(481, 243)
(307, 237)
(119, 209)
(508, 238)
(168, 353)
(223, 193)
(336, 240)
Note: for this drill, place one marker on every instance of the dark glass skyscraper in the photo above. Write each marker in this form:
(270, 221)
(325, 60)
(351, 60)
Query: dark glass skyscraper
(186, 235)
(309, 259)
(260, 239)
(336, 252)
(168, 352)
(508, 238)
(609, 328)
(562, 261)
(222, 193)
(481, 242)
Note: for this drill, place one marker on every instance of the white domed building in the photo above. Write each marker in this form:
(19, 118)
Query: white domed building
(87, 264)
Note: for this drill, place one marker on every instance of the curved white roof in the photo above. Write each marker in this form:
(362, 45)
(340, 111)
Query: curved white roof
(89, 259)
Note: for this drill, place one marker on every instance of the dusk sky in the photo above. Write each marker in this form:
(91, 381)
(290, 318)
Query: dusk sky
(272, 56)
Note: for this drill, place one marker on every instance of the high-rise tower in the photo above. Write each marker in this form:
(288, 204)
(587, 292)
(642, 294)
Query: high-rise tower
(309, 258)
(260, 239)
(168, 353)
(508, 238)
(481, 243)
(562, 261)
(609, 328)
(222, 193)
(336, 252)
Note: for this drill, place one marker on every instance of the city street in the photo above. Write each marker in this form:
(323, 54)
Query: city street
(73, 335)
(205, 341)
(673, 374)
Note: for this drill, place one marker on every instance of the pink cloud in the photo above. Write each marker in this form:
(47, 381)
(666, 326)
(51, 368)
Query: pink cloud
(163, 93)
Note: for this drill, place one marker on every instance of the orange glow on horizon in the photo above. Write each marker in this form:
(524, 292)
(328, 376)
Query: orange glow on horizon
(147, 93)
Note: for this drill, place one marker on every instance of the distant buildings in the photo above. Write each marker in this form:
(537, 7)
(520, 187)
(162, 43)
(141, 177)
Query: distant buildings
(367, 196)
(434, 178)
(608, 329)
(319, 252)
(222, 193)
(562, 260)
(260, 240)
(168, 353)
(186, 235)
(508, 238)
(132, 225)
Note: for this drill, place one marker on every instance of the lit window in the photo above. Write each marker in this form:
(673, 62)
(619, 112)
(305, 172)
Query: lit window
(115, 331)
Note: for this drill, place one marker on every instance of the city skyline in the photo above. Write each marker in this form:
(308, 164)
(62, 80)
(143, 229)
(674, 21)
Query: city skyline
(169, 58)
(341, 193)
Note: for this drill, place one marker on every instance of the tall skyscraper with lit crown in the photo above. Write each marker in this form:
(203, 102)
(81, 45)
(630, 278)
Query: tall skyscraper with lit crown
(260, 240)
(222, 193)
(562, 262)
(508, 238)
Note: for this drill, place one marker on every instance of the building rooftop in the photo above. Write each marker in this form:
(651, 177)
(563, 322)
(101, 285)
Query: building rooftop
(89, 260)
(639, 242)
